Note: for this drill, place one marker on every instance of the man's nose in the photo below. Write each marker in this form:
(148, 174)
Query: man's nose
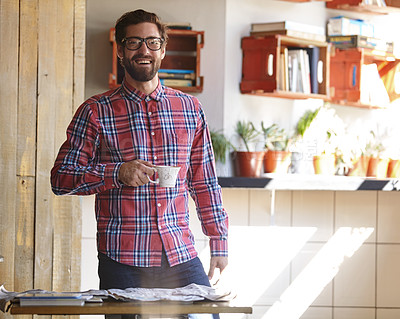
(143, 48)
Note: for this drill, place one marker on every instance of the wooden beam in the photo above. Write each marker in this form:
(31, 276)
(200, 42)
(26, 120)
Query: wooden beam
(9, 26)
(78, 96)
(26, 150)
(62, 205)
(46, 113)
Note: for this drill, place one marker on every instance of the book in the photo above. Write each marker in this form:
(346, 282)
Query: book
(167, 74)
(179, 25)
(176, 82)
(341, 25)
(291, 33)
(287, 25)
(372, 89)
(292, 73)
(52, 299)
(180, 71)
(283, 83)
(313, 56)
(360, 41)
(299, 66)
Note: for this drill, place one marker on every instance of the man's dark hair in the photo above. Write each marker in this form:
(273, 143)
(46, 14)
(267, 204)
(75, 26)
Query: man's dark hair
(136, 17)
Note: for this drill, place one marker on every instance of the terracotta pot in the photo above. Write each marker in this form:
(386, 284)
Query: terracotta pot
(360, 167)
(377, 167)
(277, 161)
(393, 170)
(248, 164)
(325, 164)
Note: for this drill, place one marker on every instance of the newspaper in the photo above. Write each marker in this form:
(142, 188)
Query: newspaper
(192, 292)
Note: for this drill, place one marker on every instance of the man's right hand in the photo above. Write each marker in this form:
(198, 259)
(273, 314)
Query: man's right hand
(136, 172)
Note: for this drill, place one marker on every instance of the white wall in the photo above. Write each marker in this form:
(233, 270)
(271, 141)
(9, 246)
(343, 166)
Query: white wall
(205, 15)
(225, 22)
(239, 16)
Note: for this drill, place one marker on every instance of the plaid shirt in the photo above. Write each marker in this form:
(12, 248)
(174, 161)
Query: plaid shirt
(134, 224)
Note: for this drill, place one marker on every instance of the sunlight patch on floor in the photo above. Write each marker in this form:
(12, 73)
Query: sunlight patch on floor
(258, 255)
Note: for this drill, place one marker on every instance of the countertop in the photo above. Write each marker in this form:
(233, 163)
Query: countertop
(310, 182)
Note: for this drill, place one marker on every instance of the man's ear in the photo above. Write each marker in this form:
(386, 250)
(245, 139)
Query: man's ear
(163, 50)
(120, 51)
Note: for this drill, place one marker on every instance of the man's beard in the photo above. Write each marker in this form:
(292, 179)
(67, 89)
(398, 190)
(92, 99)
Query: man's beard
(143, 74)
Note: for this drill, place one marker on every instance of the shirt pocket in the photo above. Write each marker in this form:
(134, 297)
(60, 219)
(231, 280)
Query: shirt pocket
(176, 148)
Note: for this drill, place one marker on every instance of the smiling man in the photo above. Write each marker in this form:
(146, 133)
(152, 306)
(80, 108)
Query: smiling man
(113, 143)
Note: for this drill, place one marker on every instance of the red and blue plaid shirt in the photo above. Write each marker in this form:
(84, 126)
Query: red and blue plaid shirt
(134, 224)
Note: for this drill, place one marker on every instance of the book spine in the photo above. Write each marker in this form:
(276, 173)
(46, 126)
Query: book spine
(164, 75)
(176, 82)
(291, 33)
(356, 41)
(288, 25)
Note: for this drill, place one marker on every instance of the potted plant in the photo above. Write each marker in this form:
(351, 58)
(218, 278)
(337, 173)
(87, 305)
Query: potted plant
(325, 161)
(247, 163)
(276, 143)
(301, 161)
(377, 164)
(355, 160)
(221, 145)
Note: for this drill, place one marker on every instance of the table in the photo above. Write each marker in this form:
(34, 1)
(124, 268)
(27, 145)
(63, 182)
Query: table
(134, 307)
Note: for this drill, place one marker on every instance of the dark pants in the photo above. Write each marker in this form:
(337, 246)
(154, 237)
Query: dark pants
(116, 275)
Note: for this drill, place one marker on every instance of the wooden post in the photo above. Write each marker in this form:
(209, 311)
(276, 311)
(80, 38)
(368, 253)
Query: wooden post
(9, 26)
(42, 76)
(26, 146)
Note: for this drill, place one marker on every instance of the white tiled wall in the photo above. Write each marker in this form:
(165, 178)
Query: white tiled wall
(366, 284)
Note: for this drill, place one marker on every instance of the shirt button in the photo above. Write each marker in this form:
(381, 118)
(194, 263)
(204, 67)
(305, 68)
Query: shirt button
(152, 133)
(159, 204)
(149, 113)
(155, 157)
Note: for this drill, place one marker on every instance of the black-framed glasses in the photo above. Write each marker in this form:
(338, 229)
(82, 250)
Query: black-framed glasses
(134, 43)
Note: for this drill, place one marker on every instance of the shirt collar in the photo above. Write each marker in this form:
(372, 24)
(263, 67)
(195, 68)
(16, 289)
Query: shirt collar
(139, 96)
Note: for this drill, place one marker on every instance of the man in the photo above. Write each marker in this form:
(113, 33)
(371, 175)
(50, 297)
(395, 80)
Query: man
(113, 143)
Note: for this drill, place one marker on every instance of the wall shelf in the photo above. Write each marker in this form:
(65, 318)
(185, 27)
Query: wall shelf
(183, 52)
(358, 6)
(289, 95)
(264, 69)
(310, 183)
(346, 74)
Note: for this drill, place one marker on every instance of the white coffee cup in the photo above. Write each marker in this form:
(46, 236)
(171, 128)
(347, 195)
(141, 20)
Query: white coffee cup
(166, 176)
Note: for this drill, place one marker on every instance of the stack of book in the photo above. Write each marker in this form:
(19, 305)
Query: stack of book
(177, 77)
(372, 88)
(345, 33)
(289, 28)
(52, 299)
(360, 41)
(179, 25)
(299, 71)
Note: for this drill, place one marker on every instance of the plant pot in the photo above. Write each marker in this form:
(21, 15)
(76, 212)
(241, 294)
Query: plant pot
(360, 167)
(325, 164)
(248, 164)
(393, 170)
(301, 163)
(377, 167)
(277, 161)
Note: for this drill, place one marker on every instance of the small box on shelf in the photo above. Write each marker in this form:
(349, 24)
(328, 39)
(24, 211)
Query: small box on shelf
(182, 56)
(371, 7)
(354, 69)
(283, 66)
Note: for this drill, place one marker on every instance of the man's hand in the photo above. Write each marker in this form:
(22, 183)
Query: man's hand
(136, 172)
(217, 262)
